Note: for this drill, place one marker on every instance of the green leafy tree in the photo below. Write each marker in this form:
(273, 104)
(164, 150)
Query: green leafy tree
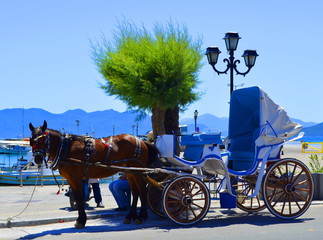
(154, 72)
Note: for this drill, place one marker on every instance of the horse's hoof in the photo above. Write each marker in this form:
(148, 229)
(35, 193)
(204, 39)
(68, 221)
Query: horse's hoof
(126, 221)
(138, 221)
(79, 225)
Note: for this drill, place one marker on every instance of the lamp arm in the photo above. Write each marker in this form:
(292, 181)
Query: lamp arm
(225, 71)
(240, 73)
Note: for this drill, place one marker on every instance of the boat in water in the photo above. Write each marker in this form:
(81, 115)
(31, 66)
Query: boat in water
(25, 172)
(14, 146)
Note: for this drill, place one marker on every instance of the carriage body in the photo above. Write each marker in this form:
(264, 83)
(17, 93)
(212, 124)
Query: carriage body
(249, 170)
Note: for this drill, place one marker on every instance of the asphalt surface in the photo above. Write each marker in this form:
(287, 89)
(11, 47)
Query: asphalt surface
(30, 206)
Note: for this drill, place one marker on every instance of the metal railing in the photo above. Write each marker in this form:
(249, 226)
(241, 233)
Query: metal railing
(312, 147)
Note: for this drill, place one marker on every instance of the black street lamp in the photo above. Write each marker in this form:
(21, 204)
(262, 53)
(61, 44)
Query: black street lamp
(78, 126)
(195, 118)
(231, 42)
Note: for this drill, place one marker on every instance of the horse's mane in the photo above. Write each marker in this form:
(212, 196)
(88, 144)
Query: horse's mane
(56, 131)
(70, 135)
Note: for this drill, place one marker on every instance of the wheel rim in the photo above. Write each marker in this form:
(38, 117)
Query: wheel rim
(186, 200)
(288, 189)
(246, 187)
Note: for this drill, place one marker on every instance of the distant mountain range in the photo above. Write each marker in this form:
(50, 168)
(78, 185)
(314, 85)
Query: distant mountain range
(14, 123)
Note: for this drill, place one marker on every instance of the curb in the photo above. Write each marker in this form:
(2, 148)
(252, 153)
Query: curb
(26, 223)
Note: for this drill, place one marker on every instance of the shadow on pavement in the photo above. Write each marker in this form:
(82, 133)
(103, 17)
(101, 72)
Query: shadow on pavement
(222, 218)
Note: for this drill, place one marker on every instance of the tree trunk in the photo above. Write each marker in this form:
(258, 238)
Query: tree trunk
(172, 121)
(172, 125)
(157, 120)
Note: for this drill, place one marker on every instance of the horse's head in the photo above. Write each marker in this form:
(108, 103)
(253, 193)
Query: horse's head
(39, 141)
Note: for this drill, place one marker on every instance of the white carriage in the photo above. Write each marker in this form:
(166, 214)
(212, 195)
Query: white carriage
(248, 173)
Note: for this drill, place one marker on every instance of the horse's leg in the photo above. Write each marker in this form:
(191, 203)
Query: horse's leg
(141, 185)
(77, 188)
(132, 215)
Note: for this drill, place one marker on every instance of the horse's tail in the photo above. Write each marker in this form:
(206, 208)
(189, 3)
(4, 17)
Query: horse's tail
(152, 153)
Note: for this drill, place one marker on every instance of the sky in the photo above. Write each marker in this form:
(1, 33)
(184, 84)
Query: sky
(45, 53)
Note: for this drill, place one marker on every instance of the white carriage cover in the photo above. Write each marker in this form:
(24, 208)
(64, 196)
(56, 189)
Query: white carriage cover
(277, 119)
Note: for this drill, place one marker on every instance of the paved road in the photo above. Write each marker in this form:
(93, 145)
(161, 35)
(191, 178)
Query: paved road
(218, 224)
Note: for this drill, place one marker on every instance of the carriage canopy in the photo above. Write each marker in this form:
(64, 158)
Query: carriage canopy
(255, 120)
(252, 109)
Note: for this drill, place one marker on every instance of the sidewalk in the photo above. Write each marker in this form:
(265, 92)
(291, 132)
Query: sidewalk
(46, 206)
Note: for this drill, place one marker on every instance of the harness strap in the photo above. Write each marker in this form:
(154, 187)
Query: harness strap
(106, 160)
(88, 151)
(137, 149)
(63, 152)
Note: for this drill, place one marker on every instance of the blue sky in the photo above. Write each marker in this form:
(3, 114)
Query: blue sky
(45, 50)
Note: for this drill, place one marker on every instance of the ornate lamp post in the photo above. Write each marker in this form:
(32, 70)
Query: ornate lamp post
(231, 42)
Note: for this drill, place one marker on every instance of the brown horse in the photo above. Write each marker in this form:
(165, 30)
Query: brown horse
(79, 157)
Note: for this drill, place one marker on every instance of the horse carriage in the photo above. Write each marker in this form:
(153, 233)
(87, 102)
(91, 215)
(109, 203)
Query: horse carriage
(244, 171)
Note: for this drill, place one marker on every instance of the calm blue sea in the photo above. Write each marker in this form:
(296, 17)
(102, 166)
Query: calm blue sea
(312, 139)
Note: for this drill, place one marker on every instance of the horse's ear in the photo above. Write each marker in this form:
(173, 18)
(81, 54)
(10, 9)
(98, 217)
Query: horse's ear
(44, 127)
(31, 127)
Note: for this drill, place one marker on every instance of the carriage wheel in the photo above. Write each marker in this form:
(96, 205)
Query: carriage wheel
(154, 197)
(186, 200)
(244, 187)
(288, 188)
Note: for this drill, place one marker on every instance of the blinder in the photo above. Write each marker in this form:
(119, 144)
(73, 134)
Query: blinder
(40, 147)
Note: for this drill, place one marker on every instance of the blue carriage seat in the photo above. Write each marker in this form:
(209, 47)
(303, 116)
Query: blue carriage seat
(244, 127)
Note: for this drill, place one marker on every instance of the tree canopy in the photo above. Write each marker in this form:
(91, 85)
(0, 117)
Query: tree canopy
(151, 71)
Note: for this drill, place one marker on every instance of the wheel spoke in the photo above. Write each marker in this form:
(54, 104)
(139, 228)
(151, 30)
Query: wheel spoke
(292, 175)
(192, 210)
(286, 166)
(197, 193)
(177, 194)
(196, 205)
(302, 182)
(180, 189)
(300, 196)
(284, 204)
(191, 190)
(295, 200)
(277, 200)
(297, 176)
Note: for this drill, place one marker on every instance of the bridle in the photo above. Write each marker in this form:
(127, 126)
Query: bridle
(42, 137)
